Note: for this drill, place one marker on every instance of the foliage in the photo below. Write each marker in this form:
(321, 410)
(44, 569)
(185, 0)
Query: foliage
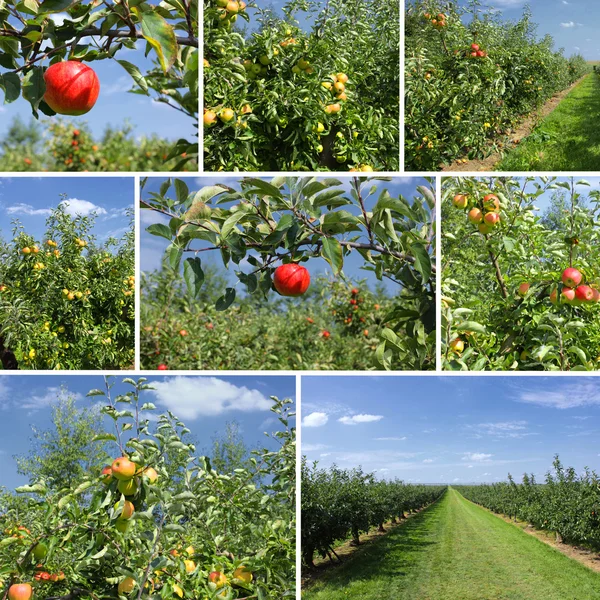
(191, 516)
(67, 302)
(31, 39)
(279, 81)
(566, 503)
(70, 146)
(482, 273)
(459, 105)
(294, 220)
(339, 502)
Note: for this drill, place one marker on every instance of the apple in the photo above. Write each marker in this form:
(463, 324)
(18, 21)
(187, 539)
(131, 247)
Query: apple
(151, 474)
(523, 289)
(596, 295)
(571, 277)
(162, 367)
(554, 297)
(190, 566)
(460, 201)
(491, 203)
(123, 469)
(106, 474)
(243, 574)
(128, 487)
(567, 295)
(584, 293)
(484, 228)
(72, 88)
(20, 591)
(291, 279)
(475, 47)
(457, 345)
(123, 526)
(475, 216)
(40, 551)
(126, 585)
(354, 291)
(126, 512)
(492, 219)
(326, 333)
(217, 579)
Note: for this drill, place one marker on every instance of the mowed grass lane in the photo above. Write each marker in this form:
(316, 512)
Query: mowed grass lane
(567, 140)
(456, 550)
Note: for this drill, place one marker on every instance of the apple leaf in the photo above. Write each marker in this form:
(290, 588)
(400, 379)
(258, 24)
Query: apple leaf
(174, 254)
(422, 260)
(193, 275)
(54, 6)
(160, 35)
(225, 301)
(11, 85)
(160, 230)
(136, 74)
(331, 251)
(34, 87)
(182, 190)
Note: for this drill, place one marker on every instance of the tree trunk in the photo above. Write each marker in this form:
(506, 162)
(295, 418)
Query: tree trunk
(9, 360)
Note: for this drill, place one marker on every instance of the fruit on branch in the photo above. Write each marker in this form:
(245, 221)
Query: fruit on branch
(326, 333)
(123, 469)
(72, 88)
(126, 585)
(484, 228)
(571, 277)
(460, 201)
(291, 279)
(596, 295)
(123, 526)
(162, 367)
(126, 512)
(216, 579)
(492, 219)
(106, 474)
(128, 487)
(524, 288)
(151, 474)
(190, 566)
(457, 345)
(242, 574)
(40, 551)
(491, 203)
(209, 118)
(567, 295)
(475, 216)
(584, 293)
(20, 591)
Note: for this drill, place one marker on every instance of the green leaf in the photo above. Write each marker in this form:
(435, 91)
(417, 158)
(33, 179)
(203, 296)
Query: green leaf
(160, 230)
(422, 260)
(225, 301)
(331, 251)
(160, 35)
(135, 73)
(174, 255)
(193, 275)
(230, 223)
(264, 187)
(11, 84)
(471, 326)
(54, 6)
(182, 190)
(34, 87)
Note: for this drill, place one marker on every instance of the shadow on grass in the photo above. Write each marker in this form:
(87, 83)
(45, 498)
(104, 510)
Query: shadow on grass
(390, 556)
(573, 130)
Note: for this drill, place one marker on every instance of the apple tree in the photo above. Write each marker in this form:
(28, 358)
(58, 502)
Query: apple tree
(159, 522)
(289, 221)
(520, 288)
(49, 60)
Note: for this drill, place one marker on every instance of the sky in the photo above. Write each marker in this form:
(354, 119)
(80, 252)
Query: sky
(204, 404)
(452, 430)
(571, 23)
(115, 105)
(153, 247)
(30, 200)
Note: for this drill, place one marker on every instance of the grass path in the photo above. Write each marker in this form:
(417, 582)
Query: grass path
(456, 550)
(568, 139)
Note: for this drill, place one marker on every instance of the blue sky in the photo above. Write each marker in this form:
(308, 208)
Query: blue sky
(30, 199)
(451, 429)
(153, 247)
(204, 404)
(115, 105)
(571, 23)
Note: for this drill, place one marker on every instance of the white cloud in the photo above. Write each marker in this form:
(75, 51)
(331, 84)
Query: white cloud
(390, 439)
(315, 419)
(313, 447)
(428, 460)
(503, 429)
(35, 402)
(476, 456)
(75, 207)
(356, 419)
(193, 397)
(565, 395)
(570, 25)
(27, 209)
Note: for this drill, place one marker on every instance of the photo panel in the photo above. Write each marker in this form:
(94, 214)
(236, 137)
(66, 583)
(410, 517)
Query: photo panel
(149, 487)
(288, 273)
(67, 273)
(486, 487)
(520, 273)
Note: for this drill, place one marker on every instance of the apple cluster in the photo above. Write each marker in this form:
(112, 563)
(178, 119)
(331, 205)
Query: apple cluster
(437, 20)
(485, 213)
(476, 52)
(573, 292)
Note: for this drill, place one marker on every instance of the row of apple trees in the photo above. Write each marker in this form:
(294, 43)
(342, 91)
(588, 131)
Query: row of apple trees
(259, 225)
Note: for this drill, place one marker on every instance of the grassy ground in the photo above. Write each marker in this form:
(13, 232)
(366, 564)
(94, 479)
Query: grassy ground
(456, 550)
(567, 140)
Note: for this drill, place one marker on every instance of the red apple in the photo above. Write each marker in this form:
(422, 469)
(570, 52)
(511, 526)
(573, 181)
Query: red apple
(72, 88)
(567, 295)
(163, 367)
(491, 219)
(475, 216)
(20, 591)
(491, 203)
(106, 474)
(571, 277)
(123, 469)
(291, 279)
(554, 297)
(524, 288)
(325, 334)
(596, 297)
(475, 47)
(584, 293)
(460, 201)
(217, 578)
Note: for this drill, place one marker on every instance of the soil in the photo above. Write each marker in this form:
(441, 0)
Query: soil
(522, 130)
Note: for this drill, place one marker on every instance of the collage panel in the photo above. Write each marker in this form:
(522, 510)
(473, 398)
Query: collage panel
(99, 86)
(501, 85)
(520, 274)
(67, 273)
(300, 86)
(288, 273)
(485, 488)
(147, 487)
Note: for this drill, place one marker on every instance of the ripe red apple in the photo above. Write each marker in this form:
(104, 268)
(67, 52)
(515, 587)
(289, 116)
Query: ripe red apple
(554, 297)
(596, 297)
(567, 295)
(584, 293)
(122, 468)
(106, 474)
(491, 203)
(217, 578)
(571, 277)
(460, 201)
(524, 288)
(127, 511)
(291, 279)
(480, 53)
(325, 334)
(475, 216)
(72, 88)
(475, 47)
(163, 367)
(20, 591)
(354, 291)
(492, 219)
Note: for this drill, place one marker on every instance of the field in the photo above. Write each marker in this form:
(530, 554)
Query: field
(472, 77)
(313, 87)
(231, 313)
(507, 301)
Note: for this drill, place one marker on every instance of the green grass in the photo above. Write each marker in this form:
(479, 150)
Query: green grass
(456, 550)
(567, 140)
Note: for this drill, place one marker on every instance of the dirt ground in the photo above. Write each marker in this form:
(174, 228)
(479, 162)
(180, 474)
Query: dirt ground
(522, 130)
